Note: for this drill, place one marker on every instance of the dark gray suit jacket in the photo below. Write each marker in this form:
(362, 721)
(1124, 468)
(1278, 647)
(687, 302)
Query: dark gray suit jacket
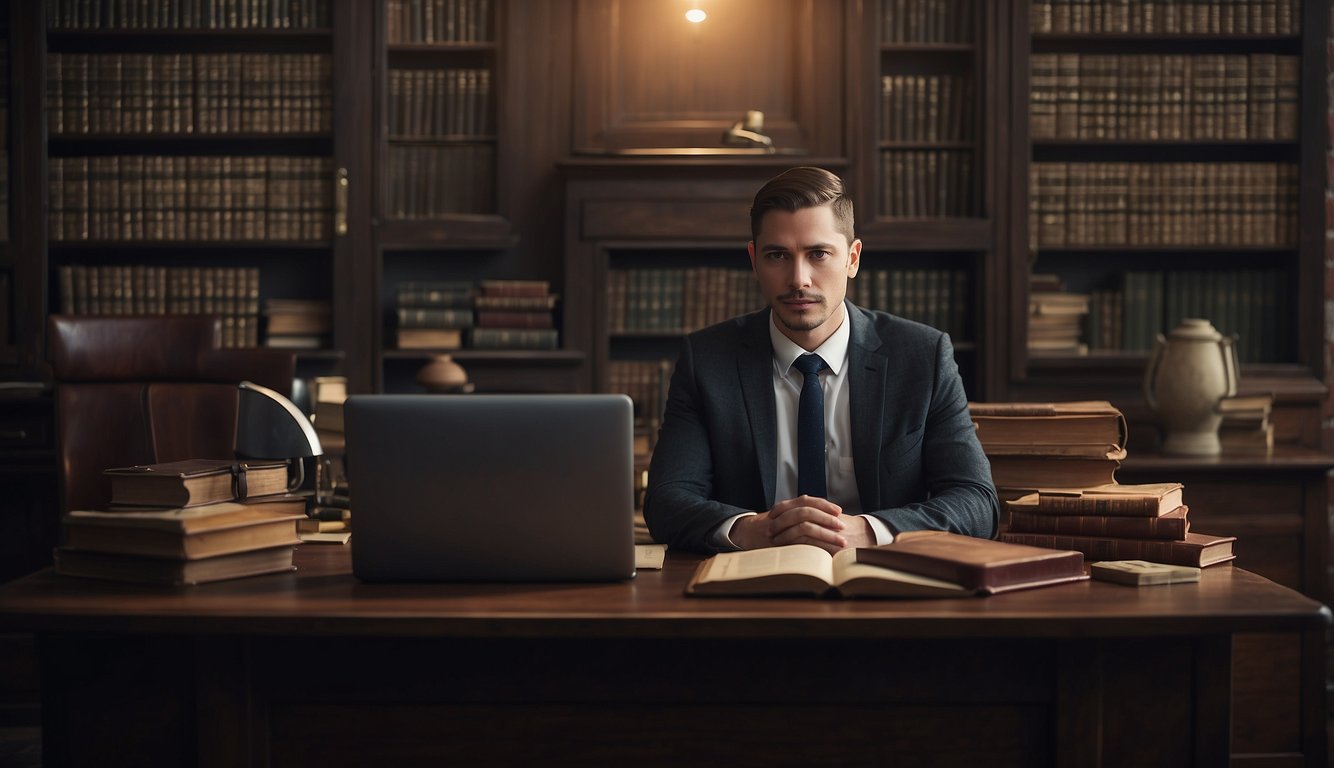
(918, 462)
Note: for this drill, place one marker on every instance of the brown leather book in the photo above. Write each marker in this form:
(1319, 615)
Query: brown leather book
(1197, 549)
(981, 565)
(193, 482)
(1171, 526)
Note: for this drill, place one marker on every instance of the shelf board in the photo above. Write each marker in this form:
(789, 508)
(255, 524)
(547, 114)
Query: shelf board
(452, 232)
(441, 47)
(1202, 250)
(450, 140)
(1188, 44)
(927, 145)
(160, 245)
(314, 354)
(916, 47)
(1174, 143)
(553, 357)
(179, 40)
(889, 234)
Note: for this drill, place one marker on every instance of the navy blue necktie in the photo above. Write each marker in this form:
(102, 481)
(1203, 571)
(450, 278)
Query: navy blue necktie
(810, 427)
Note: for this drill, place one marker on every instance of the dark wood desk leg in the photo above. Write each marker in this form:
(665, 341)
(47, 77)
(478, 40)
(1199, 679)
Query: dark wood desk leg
(1213, 701)
(1078, 712)
(1314, 715)
(223, 704)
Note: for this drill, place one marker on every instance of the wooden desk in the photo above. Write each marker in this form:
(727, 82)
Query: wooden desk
(316, 668)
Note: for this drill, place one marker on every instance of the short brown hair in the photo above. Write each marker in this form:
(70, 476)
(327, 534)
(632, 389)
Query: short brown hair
(803, 187)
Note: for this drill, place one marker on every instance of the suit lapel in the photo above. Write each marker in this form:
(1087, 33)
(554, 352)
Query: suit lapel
(868, 370)
(755, 370)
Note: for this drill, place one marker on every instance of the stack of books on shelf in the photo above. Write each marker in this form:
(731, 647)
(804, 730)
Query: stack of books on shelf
(1115, 522)
(515, 314)
(1055, 317)
(297, 323)
(1035, 446)
(330, 521)
(434, 315)
(1246, 426)
(186, 522)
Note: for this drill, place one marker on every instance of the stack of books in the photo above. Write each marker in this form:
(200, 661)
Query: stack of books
(1055, 318)
(434, 315)
(298, 323)
(1246, 426)
(515, 314)
(1115, 522)
(1030, 446)
(186, 522)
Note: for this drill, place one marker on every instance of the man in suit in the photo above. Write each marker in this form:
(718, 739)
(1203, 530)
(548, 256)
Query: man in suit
(878, 443)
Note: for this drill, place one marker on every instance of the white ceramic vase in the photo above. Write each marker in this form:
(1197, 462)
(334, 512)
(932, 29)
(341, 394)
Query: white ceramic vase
(1188, 373)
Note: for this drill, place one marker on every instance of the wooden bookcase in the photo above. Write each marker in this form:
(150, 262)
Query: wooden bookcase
(1169, 163)
(8, 351)
(188, 162)
(442, 203)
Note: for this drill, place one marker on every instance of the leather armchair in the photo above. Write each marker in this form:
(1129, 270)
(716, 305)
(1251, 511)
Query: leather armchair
(144, 389)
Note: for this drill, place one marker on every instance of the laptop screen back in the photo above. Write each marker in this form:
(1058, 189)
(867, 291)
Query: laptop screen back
(491, 487)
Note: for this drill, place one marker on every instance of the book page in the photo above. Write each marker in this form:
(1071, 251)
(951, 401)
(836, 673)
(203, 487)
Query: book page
(846, 568)
(754, 563)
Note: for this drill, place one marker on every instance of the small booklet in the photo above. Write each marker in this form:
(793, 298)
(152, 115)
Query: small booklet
(1141, 573)
(916, 564)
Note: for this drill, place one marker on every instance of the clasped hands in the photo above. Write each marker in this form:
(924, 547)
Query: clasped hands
(803, 520)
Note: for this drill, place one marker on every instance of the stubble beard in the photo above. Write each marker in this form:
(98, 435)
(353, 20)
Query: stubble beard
(806, 321)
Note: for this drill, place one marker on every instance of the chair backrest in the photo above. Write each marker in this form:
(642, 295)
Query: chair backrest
(144, 389)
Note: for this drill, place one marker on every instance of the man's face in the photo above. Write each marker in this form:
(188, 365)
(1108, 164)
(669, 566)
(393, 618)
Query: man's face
(803, 264)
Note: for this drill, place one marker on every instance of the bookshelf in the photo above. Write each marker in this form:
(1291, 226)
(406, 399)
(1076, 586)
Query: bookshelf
(1170, 173)
(441, 203)
(190, 163)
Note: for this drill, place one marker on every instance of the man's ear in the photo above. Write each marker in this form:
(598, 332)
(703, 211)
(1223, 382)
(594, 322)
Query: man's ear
(854, 257)
(750, 251)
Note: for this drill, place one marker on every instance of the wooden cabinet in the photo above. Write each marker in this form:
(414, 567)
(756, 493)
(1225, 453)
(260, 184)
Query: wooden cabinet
(191, 164)
(1170, 165)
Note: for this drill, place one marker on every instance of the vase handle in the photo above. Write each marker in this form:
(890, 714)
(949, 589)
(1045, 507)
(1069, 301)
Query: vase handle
(1150, 373)
(1230, 370)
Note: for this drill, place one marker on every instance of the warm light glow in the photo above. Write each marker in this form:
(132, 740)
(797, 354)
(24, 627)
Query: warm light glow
(695, 15)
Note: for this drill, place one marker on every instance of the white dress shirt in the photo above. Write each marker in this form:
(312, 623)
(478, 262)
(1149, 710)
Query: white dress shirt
(841, 480)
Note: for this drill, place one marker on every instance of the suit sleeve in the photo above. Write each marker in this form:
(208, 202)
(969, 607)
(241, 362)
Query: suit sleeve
(678, 506)
(960, 495)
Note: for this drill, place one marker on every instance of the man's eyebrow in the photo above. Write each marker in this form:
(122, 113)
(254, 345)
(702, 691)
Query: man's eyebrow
(770, 247)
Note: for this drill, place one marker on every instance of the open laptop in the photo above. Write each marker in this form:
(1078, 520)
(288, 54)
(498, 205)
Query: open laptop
(491, 487)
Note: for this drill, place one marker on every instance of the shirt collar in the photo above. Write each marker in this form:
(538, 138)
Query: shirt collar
(834, 350)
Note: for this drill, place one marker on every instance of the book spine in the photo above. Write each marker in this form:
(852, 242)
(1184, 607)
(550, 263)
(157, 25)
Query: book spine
(1171, 528)
(1106, 548)
(1092, 505)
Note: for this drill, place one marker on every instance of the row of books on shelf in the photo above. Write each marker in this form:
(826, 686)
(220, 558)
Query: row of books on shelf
(186, 522)
(926, 108)
(140, 289)
(677, 300)
(936, 297)
(1054, 467)
(926, 21)
(438, 21)
(439, 102)
(645, 382)
(1156, 17)
(1164, 97)
(929, 183)
(199, 93)
(490, 314)
(431, 181)
(1163, 204)
(1242, 303)
(187, 14)
(1239, 302)
(152, 197)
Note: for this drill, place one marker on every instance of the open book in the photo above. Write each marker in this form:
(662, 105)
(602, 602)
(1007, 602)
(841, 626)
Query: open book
(899, 569)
